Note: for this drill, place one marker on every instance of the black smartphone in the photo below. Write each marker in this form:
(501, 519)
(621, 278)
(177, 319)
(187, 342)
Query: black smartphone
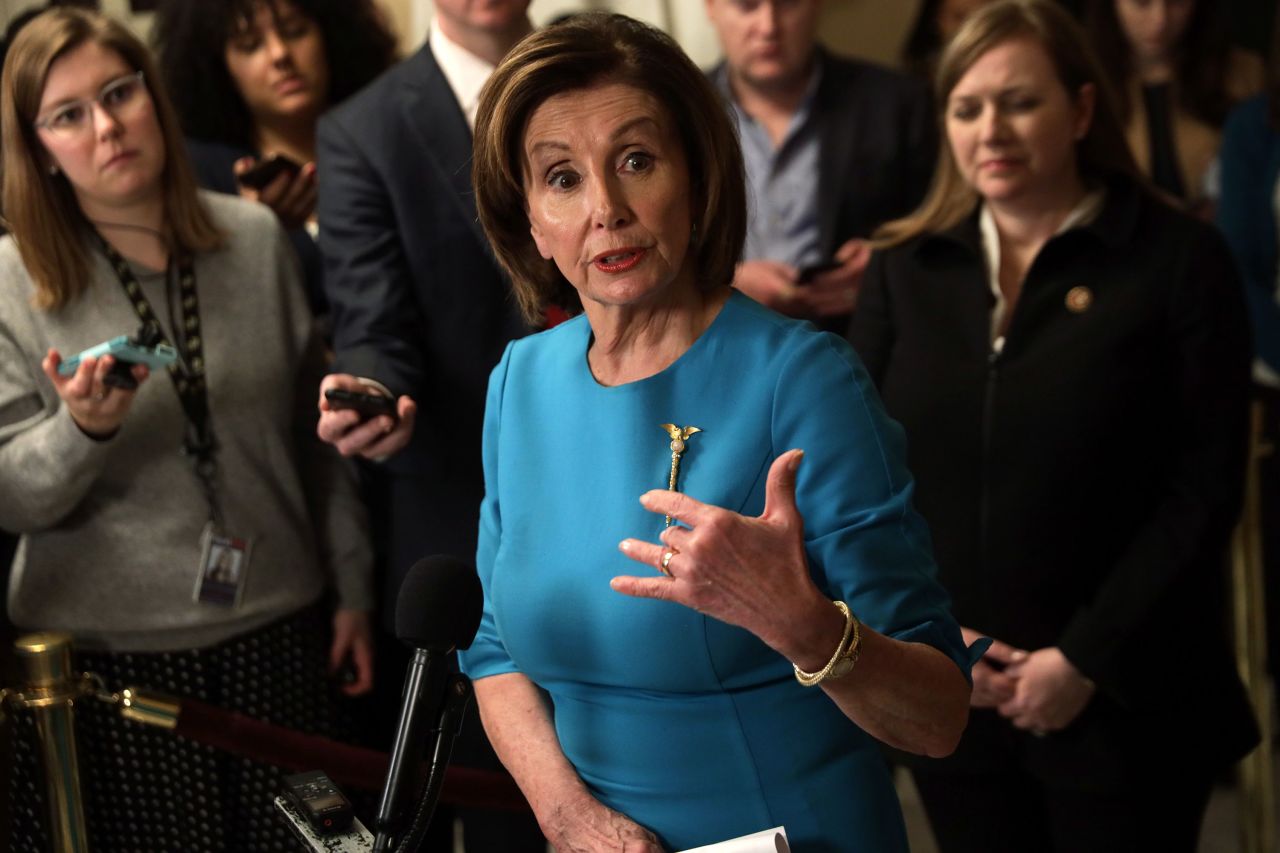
(807, 274)
(265, 171)
(368, 405)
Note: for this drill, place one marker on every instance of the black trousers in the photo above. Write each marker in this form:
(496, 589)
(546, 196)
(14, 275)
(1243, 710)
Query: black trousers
(1011, 810)
(1269, 488)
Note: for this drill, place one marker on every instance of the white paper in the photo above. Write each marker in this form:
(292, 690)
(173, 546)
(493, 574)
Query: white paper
(769, 841)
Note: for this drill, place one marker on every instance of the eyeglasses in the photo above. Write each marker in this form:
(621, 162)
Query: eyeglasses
(117, 98)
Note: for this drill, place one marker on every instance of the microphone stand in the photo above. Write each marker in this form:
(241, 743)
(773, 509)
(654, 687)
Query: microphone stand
(429, 687)
(457, 695)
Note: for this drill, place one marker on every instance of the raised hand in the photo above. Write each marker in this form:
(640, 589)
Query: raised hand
(747, 571)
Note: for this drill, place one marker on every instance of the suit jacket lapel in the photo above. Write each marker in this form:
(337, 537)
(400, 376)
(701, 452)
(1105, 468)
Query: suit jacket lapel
(433, 113)
(837, 130)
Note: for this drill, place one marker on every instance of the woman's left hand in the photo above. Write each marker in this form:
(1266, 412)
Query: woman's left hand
(353, 640)
(291, 196)
(749, 572)
(1049, 692)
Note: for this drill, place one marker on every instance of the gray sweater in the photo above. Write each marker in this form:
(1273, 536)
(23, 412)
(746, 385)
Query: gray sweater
(111, 529)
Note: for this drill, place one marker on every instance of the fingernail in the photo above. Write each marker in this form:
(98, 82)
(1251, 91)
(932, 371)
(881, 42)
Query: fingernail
(795, 460)
(1018, 654)
(624, 546)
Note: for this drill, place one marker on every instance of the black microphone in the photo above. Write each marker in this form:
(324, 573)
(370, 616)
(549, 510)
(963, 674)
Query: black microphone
(438, 610)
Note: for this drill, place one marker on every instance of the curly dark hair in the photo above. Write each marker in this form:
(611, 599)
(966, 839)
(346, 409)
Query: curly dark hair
(191, 37)
(1201, 67)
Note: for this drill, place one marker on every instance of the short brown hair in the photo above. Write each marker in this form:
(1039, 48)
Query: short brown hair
(587, 49)
(41, 209)
(1100, 154)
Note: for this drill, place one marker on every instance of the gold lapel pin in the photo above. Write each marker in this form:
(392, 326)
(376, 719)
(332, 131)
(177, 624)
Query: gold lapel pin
(1079, 299)
(679, 438)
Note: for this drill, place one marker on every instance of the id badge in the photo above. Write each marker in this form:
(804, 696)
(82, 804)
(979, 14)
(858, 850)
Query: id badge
(224, 566)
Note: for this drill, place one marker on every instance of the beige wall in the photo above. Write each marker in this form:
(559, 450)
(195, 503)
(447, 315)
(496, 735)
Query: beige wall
(874, 29)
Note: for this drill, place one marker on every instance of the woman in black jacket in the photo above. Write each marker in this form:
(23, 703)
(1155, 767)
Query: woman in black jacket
(1069, 356)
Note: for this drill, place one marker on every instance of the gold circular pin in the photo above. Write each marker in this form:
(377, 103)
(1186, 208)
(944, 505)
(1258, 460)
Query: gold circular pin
(1079, 299)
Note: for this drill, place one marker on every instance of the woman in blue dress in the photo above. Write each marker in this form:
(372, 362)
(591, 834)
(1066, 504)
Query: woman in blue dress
(707, 595)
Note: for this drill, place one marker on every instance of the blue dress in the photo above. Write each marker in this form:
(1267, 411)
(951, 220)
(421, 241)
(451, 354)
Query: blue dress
(691, 727)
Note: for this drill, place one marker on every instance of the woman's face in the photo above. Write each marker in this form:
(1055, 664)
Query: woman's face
(607, 189)
(278, 63)
(1154, 28)
(98, 126)
(1013, 126)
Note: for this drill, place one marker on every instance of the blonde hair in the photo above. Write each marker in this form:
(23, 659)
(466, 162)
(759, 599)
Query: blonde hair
(589, 48)
(1101, 153)
(41, 208)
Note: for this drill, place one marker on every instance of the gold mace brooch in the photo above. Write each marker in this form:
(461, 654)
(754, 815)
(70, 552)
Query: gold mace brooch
(679, 437)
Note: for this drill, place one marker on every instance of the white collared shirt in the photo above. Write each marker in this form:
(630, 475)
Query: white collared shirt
(465, 72)
(1082, 214)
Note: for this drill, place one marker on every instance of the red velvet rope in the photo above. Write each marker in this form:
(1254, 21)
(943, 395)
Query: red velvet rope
(345, 764)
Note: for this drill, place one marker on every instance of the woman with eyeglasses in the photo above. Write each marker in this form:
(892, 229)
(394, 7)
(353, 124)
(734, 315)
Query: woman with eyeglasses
(181, 523)
(250, 78)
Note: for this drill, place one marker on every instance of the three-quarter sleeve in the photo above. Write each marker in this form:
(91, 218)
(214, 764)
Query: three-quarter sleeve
(488, 655)
(866, 543)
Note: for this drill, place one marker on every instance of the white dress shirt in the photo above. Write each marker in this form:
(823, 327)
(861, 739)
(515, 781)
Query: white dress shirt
(465, 72)
(1082, 214)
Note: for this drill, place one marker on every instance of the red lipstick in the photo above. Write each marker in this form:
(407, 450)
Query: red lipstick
(619, 260)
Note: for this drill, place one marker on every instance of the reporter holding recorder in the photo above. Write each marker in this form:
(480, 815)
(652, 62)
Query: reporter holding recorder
(185, 532)
(660, 684)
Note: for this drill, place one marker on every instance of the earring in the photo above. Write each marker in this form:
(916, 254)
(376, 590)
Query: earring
(53, 170)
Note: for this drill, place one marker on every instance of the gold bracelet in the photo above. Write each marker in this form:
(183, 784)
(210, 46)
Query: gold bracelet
(846, 654)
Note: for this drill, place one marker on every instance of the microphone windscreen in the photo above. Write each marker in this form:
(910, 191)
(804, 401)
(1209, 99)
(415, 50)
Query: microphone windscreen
(439, 604)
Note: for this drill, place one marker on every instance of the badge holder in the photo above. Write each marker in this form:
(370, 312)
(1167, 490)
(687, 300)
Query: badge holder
(224, 566)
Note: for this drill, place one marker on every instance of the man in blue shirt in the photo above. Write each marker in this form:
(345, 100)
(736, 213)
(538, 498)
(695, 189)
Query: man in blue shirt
(834, 148)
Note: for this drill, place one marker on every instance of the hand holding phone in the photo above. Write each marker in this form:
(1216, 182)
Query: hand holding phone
(809, 273)
(368, 405)
(127, 351)
(375, 436)
(265, 171)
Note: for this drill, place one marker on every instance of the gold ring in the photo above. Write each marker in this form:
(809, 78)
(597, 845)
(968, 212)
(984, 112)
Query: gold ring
(666, 561)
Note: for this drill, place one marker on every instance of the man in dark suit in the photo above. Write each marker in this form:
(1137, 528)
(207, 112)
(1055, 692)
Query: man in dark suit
(833, 147)
(421, 313)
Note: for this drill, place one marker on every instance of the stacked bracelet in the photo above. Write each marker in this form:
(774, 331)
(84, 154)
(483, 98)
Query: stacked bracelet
(846, 654)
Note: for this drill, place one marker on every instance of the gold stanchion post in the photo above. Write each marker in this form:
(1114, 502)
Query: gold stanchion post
(1257, 784)
(51, 687)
